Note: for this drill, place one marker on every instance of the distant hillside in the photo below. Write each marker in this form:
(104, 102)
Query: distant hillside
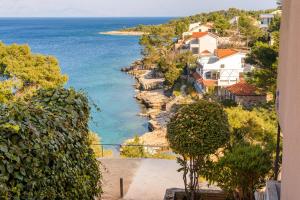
(176, 24)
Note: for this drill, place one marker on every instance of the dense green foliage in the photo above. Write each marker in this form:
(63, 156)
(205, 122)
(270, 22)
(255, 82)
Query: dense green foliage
(195, 132)
(137, 149)
(24, 72)
(221, 25)
(158, 42)
(45, 149)
(134, 149)
(182, 23)
(242, 170)
(249, 29)
(264, 56)
(258, 126)
(99, 151)
(172, 66)
(198, 129)
(246, 162)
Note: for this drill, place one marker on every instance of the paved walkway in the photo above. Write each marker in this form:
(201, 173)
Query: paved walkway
(144, 179)
(152, 178)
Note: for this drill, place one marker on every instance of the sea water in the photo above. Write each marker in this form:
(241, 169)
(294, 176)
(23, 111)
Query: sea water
(92, 62)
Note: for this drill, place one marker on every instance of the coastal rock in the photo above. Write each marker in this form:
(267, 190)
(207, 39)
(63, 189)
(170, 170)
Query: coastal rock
(157, 138)
(149, 81)
(152, 99)
(153, 125)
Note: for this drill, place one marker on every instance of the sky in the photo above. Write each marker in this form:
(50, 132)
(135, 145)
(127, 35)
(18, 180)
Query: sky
(122, 8)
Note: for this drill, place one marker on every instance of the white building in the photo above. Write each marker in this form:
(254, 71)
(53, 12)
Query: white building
(265, 20)
(198, 27)
(202, 43)
(223, 69)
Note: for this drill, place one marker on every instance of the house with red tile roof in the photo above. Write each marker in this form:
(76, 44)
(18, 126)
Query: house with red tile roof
(244, 94)
(198, 27)
(203, 85)
(201, 43)
(224, 68)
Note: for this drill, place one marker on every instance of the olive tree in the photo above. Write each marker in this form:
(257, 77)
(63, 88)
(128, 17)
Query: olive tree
(195, 132)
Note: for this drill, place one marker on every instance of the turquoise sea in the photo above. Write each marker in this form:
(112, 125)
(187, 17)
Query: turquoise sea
(92, 62)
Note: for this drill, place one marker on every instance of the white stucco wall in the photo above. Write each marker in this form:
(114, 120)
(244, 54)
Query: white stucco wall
(230, 74)
(206, 42)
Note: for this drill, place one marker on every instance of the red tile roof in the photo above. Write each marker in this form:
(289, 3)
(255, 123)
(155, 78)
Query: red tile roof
(244, 89)
(206, 52)
(207, 82)
(199, 34)
(222, 53)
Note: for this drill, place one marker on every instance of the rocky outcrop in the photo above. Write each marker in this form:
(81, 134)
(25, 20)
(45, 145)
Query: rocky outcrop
(156, 138)
(154, 99)
(160, 108)
(148, 81)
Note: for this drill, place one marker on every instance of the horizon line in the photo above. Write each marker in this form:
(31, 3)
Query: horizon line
(93, 16)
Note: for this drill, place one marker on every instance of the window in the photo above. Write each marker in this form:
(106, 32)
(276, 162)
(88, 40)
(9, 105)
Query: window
(195, 50)
(208, 75)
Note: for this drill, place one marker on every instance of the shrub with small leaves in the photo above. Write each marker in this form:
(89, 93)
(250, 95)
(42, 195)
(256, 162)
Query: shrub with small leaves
(45, 150)
(242, 170)
(195, 132)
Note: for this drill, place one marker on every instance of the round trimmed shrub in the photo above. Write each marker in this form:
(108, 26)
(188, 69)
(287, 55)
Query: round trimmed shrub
(198, 129)
(195, 132)
(45, 150)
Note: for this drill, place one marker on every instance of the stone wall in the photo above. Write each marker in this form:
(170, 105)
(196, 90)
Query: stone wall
(250, 100)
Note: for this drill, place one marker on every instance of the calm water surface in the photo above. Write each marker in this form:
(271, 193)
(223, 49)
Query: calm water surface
(92, 62)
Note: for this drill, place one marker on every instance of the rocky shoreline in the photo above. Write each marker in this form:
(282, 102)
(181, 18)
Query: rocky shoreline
(159, 107)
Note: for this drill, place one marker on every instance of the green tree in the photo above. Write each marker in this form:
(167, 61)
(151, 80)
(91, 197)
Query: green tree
(258, 126)
(246, 162)
(249, 29)
(195, 132)
(265, 58)
(221, 25)
(275, 24)
(242, 170)
(157, 42)
(27, 72)
(45, 149)
(181, 27)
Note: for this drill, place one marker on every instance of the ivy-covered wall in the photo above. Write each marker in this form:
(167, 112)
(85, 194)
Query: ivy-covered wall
(44, 148)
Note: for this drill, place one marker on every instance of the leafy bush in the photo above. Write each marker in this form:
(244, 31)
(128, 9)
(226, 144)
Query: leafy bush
(195, 132)
(134, 149)
(44, 148)
(229, 103)
(242, 170)
(258, 126)
(99, 151)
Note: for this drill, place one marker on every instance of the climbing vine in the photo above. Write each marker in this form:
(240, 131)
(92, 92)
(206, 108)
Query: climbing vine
(44, 148)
